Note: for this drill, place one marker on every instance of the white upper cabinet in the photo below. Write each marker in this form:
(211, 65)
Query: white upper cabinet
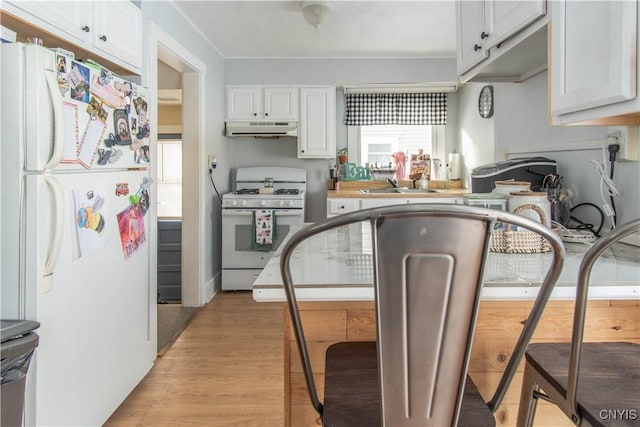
(281, 103)
(317, 125)
(594, 68)
(498, 41)
(69, 19)
(509, 17)
(471, 34)
(264, 103)
(118, 31)
(106, 30)
(243, 103)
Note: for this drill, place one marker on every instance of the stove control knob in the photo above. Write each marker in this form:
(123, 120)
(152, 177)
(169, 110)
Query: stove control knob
(281, 203)
(263, 202)
(290, 202)
(244, 203)
(234, 203)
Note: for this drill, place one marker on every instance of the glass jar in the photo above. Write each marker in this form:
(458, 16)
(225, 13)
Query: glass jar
(560, 205)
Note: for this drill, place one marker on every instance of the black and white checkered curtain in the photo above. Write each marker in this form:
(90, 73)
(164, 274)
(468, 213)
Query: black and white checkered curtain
(395, 109)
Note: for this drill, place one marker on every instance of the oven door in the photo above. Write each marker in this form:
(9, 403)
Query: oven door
(236, 236)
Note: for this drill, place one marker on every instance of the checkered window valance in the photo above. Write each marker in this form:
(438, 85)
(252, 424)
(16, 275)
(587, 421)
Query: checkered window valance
(395, 108)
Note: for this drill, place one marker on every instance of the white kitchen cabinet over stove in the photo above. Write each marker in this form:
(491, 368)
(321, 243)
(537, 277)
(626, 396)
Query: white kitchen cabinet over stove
(262, 103)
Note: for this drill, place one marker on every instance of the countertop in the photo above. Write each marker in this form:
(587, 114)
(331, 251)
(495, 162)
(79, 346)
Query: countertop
(336, 266)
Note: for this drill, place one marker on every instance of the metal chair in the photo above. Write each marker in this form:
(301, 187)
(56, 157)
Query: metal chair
(428, 265)
(594, 384)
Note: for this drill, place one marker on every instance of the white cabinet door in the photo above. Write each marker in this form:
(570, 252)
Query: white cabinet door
(280, 103)
(69, 19)
(593, 54)
(471, 24)
(317, 124)
(243, 103)
(110, 30)
(118, 31)
(508, 17)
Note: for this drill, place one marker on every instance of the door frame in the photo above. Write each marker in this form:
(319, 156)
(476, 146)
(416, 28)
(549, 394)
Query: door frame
(164, 47)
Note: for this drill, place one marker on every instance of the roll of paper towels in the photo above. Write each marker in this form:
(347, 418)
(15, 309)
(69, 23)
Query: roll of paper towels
(454, 166)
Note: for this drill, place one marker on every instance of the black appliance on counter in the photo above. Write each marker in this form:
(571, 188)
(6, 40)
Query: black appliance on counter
(530, 169)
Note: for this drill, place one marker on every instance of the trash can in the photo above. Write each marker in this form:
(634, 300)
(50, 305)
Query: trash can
(18, 342)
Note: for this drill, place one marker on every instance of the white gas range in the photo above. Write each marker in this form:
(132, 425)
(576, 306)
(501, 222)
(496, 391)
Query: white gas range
(274, 193)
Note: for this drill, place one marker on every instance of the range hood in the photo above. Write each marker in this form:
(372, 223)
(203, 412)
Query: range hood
(261, 129)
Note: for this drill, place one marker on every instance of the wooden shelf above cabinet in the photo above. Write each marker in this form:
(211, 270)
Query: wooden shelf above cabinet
(24, 29)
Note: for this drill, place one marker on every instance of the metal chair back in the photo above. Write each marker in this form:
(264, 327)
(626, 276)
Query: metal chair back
(580, 309)
(428, 267)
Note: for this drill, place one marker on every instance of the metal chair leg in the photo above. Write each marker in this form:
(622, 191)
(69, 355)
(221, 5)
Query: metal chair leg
(528, 399)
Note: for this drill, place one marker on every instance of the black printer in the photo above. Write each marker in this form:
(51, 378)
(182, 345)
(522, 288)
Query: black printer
(531, 169)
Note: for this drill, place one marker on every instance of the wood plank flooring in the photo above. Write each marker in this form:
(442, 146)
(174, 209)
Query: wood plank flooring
(226, 369)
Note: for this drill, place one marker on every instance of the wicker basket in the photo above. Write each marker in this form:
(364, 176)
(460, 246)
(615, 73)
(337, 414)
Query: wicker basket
(506, 239)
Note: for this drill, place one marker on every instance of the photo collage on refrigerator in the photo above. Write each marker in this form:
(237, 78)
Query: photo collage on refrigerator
(106, 126)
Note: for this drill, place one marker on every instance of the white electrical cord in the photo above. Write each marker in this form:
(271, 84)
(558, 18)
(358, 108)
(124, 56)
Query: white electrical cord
(573, 236)
(607, 186)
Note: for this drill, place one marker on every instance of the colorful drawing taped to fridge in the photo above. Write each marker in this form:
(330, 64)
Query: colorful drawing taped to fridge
(91, 213)
(131, 228)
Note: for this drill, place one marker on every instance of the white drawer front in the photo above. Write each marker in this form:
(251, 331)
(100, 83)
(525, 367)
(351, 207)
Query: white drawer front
(340, 206)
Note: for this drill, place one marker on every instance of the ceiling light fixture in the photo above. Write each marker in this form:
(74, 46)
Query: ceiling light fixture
(316, 13)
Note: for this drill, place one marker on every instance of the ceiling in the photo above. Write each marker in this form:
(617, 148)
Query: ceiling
(356, 29)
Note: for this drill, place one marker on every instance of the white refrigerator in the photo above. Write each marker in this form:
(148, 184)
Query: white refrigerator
(75, 229)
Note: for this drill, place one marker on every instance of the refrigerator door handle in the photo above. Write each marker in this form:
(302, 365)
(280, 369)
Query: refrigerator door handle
(58, 120)
(58, 228)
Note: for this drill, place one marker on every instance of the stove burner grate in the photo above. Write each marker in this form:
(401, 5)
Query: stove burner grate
(289, 191)
(247, 191)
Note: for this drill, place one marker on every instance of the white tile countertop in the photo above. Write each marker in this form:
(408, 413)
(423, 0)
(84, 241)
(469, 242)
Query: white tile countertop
(337, 266)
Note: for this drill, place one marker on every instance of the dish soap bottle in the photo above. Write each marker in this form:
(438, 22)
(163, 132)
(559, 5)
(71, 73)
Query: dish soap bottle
(424, 183)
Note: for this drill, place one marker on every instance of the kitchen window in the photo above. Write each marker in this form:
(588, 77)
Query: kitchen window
(382, 121)
(169, 176)
(378, 142)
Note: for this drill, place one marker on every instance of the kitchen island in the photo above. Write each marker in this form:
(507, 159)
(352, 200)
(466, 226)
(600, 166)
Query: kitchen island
(333, 275)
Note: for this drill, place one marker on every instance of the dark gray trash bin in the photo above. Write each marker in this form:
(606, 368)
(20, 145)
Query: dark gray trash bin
(18, 342)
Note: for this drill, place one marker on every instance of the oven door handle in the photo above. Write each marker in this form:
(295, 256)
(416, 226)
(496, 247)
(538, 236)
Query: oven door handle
(249, 212)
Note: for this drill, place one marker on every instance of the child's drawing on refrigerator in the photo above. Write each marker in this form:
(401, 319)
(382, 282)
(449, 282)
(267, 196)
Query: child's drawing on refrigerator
(131, 228)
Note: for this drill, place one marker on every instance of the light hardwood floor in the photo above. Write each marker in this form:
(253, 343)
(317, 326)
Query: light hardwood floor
(226, 369)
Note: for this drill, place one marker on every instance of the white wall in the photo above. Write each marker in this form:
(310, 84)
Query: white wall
(521, 121)
(339, 72)
(476, 136)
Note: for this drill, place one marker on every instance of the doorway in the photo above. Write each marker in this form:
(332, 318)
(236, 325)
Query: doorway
(164, 49)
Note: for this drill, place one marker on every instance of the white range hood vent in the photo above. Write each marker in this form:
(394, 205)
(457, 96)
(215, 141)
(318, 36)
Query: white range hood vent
(261, 129)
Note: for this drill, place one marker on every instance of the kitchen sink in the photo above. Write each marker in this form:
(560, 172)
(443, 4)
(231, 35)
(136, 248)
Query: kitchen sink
(392, 190)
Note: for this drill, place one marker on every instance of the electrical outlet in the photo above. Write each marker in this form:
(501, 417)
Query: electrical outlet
(212, 162)
(627, 137)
